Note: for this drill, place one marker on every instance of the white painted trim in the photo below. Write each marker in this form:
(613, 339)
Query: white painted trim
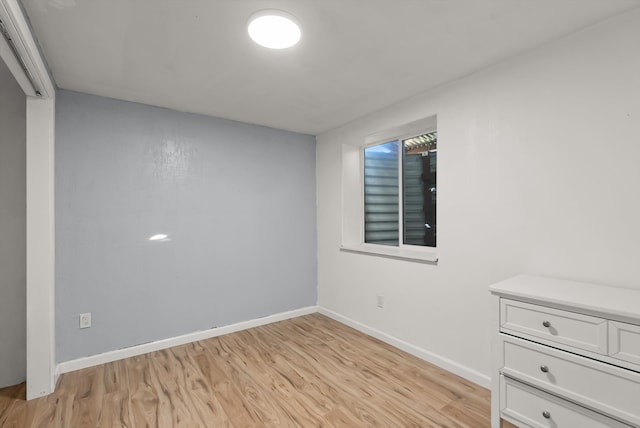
(438, 360)
(107, 357)
(40, 247)
(20, 32)
(41, 378)
(6, 54)
(405, 252)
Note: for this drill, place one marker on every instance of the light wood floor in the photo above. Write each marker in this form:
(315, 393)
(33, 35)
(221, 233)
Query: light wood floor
(305, 372)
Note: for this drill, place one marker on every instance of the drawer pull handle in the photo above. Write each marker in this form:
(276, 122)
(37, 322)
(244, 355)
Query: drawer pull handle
(546, 323)
(546, 414)
(544, 369)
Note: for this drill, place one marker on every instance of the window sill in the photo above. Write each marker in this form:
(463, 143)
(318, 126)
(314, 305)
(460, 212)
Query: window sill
(421, 255)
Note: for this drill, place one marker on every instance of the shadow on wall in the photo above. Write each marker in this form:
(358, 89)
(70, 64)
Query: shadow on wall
(12, 230)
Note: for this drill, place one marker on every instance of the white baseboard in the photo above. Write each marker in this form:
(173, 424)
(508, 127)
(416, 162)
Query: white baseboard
(438, 360)
(107, 357)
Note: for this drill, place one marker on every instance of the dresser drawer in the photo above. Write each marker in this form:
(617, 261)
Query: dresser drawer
(568, 328)
(600, 386)
(624, 342)
(537, 409)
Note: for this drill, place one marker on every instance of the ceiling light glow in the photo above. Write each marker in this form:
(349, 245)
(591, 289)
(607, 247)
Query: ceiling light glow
(274, 29)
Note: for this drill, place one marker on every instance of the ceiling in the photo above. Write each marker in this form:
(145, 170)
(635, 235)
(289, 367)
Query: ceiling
(355, 56)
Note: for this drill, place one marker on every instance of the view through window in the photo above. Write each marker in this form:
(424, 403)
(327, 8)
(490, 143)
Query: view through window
(400, 191)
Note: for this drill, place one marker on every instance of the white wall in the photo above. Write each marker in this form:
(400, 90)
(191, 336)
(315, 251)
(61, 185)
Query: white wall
(12, 230)
(538, 172)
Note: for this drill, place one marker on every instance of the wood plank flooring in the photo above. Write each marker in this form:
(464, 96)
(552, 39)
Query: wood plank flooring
(309, 371)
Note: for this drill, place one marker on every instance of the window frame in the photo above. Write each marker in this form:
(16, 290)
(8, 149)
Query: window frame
(353, 214)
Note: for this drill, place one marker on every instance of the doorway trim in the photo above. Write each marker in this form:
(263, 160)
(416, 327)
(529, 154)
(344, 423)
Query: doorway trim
(40, 92)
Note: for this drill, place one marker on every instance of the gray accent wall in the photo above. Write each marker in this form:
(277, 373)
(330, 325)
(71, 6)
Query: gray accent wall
(237, 201)
(13, 289)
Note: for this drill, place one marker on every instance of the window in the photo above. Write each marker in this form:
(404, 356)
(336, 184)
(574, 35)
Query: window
(389, 192)
(400, 191)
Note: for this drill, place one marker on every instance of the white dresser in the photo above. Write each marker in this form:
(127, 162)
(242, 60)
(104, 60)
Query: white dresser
(565, 354)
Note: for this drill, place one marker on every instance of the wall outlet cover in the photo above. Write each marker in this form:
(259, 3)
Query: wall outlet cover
(85, 320)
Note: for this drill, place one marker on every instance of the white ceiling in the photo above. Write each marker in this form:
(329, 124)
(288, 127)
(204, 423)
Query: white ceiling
(355, 57)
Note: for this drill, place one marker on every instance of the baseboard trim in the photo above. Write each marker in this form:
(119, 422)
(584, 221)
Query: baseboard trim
(438, 360)
(107, 357)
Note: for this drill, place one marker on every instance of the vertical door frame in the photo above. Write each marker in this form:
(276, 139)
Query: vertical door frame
(40, 117)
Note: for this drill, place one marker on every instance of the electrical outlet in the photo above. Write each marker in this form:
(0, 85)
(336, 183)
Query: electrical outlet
(380, 301)
(85, 320)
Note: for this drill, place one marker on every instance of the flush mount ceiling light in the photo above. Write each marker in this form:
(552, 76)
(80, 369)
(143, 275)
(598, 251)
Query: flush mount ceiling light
(274, 29)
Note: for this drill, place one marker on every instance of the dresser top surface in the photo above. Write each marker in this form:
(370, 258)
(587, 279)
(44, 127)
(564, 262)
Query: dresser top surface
(621, 303)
